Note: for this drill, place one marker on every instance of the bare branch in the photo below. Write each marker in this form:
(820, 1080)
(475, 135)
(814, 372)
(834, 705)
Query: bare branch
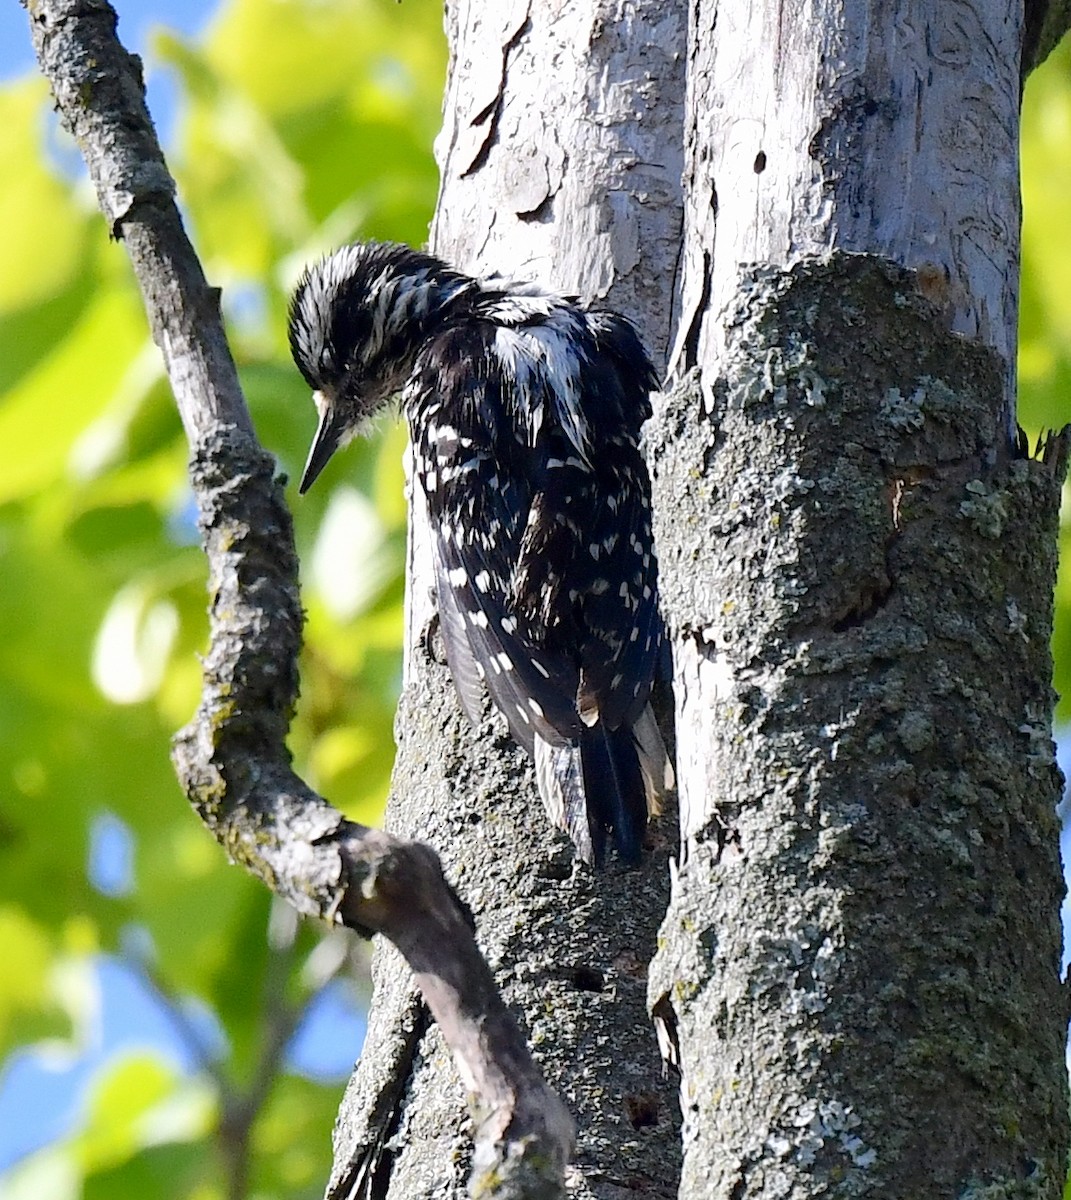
(232, 759)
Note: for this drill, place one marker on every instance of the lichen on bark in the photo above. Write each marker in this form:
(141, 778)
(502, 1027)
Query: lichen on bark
(857, 570)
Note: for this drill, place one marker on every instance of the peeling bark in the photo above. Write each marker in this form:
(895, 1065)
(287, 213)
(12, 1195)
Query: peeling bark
(560, 157)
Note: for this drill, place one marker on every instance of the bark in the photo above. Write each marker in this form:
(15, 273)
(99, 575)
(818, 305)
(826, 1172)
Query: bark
(232, 759)
(560, 159)
(858, 972)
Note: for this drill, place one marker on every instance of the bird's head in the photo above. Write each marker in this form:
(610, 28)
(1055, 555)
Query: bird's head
(357, 321)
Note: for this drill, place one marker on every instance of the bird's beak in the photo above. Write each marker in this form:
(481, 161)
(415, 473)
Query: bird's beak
(325, 443)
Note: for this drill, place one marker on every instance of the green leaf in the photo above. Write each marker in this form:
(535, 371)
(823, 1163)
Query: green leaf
(138, 1100)
(1045, 314)
(72, 384)
(300, 125)
(29, 1007)
(44, 260)
(293, 1155)
(160, 1172)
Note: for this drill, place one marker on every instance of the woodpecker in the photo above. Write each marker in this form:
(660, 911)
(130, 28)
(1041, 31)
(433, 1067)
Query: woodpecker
(524, 412)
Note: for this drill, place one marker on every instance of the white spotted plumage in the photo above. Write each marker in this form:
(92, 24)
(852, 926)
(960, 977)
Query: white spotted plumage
(524, 410)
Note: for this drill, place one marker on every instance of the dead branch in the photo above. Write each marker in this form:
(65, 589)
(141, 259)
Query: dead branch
(231, 759)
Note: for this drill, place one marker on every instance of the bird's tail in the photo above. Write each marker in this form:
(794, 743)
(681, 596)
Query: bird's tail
(606, 784)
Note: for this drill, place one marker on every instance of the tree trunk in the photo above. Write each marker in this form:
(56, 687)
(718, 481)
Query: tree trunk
(561, 158)
(858, 972)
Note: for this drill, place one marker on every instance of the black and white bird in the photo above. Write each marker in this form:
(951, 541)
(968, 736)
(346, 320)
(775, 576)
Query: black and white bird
(524, 411)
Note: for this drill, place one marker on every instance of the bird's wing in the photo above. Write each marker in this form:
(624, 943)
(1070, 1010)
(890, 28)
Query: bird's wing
(585, 567)
(622, 624)
(478, 500)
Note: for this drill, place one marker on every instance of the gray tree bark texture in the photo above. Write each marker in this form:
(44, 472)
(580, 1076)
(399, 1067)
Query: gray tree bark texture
(561, 159)
(858, 972)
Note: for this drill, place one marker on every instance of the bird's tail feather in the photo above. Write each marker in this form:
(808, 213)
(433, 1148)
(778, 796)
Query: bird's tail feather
(614, 790)
(657, 770)
(607, 783)
(560, 776)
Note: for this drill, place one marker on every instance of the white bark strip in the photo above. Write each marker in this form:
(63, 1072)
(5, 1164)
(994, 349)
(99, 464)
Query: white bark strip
(875, 128)
(561, 149)
(560, 157)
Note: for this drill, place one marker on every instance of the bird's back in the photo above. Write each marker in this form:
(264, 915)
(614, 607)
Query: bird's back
(525, 412)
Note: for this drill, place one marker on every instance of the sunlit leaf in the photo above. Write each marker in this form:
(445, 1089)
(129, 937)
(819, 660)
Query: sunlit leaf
(45, 413)
(47, 225)
(52, 1172)
(29, 1006)
(133, 645)
(1045, 316)
(137, 1101)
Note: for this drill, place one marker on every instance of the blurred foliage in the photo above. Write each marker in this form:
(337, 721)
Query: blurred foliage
(300, 125)
(1045, 314)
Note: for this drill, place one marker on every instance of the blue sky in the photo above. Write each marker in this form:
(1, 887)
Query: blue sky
(136, 20)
